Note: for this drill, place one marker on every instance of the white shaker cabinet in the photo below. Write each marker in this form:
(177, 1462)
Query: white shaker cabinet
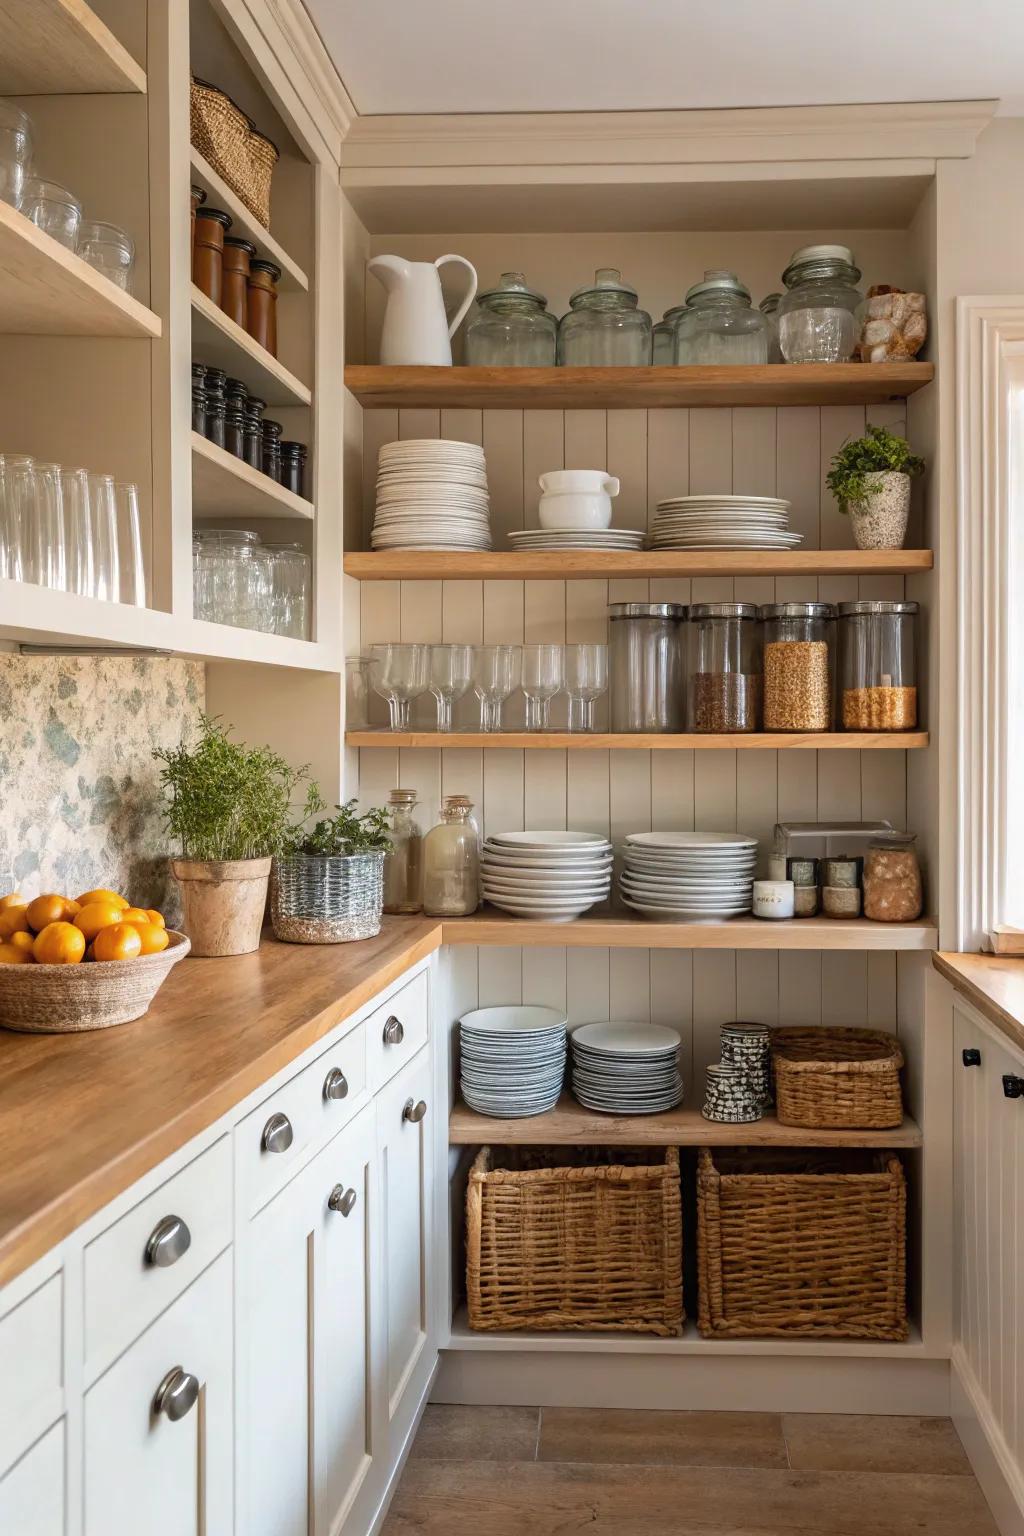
(32, 1493)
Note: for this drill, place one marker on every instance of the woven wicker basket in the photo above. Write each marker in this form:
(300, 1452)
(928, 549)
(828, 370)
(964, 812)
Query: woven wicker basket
(837, 1079)
(560, 1238)
(794, 1244)
(67, 999)
(228, 139)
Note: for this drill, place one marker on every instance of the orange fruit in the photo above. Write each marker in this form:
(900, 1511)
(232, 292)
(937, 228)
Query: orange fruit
(108, 897)
(14, 899)
(13, 954)
(154, 939)
(156, 917)
(122, 941)
(97, 915)
(59, 944)
(13, 920)
(134, 915)
(49, 909)
(22, 940)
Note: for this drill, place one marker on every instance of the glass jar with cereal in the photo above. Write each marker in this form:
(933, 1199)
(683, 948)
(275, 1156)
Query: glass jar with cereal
(878, 684)
(892, 879)
(799, 640)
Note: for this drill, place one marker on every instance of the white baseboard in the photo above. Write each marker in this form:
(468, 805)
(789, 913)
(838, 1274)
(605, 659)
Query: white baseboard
(995, 1466)
(399, 1467)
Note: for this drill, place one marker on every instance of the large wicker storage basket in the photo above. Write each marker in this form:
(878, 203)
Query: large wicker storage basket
(800, 1244)
(232, 144)
(561, 1238)
(837, 1079)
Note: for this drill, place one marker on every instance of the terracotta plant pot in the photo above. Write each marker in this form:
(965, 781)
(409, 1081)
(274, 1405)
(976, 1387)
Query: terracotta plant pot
(223, 904)
(880, 522)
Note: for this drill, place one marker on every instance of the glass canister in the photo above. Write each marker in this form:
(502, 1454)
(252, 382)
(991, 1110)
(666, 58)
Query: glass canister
(229, 577)
(261, 303)
(271, 440)
(877, 676)
(769, 306)
(15, 151)
(724, 668)
(647, 668)
(819, 314)
(403, 866)
(451, 862)
(234, 300)
(212, 224)
(663, 350)
(511, 328)
(718, 325)
(199, 398)
(799, 641)
(892, 879)
(604, 328)
(291, 577)
(216, 401)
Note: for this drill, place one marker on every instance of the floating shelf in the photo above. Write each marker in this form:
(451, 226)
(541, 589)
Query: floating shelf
(598, 741)
(223, 642)
(46, 290)
(591, 564)
(62, 48)
(617, 932)
(224, 486)
(245, 223)
(217, 340)
(602, 389)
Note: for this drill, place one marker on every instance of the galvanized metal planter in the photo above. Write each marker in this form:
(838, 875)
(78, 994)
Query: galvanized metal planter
(317, 900)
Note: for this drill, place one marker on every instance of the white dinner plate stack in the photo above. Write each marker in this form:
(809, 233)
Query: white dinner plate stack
(626, 1069)
(512, 1060)
(723, 522)
(619, 539)
(688, 876)
(431, 494)
(551, 876)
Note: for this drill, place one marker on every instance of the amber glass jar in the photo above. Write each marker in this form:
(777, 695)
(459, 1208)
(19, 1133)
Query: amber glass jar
(212, 224)
(235, 296)
(262, 304)
(198, 199)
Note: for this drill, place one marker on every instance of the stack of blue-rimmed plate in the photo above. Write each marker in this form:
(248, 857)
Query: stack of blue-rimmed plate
(550, 876)
(513, 1060)
(626, 1069)
(688, 876)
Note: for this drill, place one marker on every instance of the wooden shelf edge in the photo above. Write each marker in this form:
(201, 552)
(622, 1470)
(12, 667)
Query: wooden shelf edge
(244, 222)
(581, 565)
(613, 931)
(581, 741)
(280, 502)
(214, 316)
(76, 23)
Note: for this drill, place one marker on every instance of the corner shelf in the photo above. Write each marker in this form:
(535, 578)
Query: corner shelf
(591, 564)
(245, 223)
(614, 931)
(583, 741)
(62, 48)
(225, 486)
(217, 340)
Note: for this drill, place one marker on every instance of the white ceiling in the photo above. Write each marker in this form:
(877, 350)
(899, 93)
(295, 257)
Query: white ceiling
(620, 55)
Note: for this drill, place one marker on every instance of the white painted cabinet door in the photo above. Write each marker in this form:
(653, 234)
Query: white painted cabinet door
(143, 1470)
(32, 1492)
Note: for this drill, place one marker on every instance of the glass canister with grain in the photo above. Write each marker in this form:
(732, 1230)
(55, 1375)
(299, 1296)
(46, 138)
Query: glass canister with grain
(799, 641)
(878, 683)
(892, 879)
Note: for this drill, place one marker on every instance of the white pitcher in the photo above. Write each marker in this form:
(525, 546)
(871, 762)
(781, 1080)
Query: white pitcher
(416, 328)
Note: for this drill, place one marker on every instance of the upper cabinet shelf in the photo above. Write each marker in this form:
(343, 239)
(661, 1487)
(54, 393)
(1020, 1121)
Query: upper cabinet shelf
(563, 389)
(599, 564)
(223, 486)
(219, 342)
(220, 195)
(62, 48)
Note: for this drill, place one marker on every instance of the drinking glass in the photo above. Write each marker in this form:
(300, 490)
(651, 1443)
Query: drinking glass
(291, 582)
(10, 546)
(586, 678)
(105, 551)
(496, 671)
(53, 209)
(400, 676)
(15, 151)
(541, 680)
(78, 529)
(451, 671)
(132, 566)
(19, 515)
(358, 683)
(110, 250)
(47, 529)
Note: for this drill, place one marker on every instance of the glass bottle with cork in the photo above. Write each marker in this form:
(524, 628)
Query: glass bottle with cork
(403, 866)
(451, 861)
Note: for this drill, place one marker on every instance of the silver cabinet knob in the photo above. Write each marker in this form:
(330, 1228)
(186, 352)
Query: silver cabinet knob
(394, 1031)
(414, 1112)
(176, 1394)
(335, 1084)
(342, 1199)
(169, 1239)
(277, 1134)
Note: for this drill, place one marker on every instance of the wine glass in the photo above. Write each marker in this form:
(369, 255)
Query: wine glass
(451, 671)
(80, 572)
(132, 567)
(541, 680)
(105, 554)
(495, 675)
(400, 676)
(586, 678)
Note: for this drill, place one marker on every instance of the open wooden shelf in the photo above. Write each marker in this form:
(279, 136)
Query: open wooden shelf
(61, 47)
(244, 223)
(590, 564)
(225, 486)
(46, 290)
(614, 931)
(602, 389)
(600, 741)
(219, 342)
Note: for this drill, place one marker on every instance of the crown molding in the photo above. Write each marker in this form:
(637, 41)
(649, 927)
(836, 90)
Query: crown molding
(292, 42)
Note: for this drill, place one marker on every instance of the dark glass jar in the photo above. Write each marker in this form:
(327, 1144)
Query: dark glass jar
(272, 449)
(235, 295)
(293, 463)
(212, 224)
(234, 426)
(234, 389)
(216, 380)
(199, 398)
(262, 304)
(198, 199)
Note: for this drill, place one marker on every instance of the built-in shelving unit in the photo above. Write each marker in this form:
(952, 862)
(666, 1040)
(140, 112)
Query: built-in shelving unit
(602, 741)
(601, 565)
(616, 931)
(219, 342)
(61, 47)
(225, 486)
(244, 223)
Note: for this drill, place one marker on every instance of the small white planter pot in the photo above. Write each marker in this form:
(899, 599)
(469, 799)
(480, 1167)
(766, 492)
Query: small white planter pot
(880, 522)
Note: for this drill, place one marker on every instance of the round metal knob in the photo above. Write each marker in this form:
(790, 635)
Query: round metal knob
(176, 1394)
(342, 1199)
(971, 1056)
(169, 1239)
(335, 1084)
(414, 1112)
(394, 1031)
(277, 1134)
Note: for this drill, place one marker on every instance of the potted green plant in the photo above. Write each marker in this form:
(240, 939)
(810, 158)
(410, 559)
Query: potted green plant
(328, 881)
(228, 809)
(870, 479)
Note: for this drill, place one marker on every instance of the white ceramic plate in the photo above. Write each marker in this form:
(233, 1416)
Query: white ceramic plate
(691, 840)
(556, 840)
(516, 1019)
(626, 1039)
(722, 500)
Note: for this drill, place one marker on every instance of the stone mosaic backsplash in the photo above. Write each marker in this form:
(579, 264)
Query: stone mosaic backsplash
(79, 789)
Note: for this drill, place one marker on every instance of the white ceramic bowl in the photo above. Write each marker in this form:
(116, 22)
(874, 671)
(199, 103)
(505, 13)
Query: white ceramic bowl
(576, 498)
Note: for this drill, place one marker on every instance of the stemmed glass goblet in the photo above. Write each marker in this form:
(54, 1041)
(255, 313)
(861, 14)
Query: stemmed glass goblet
(586, 679)
(400, 675)
(496, 671)
(541, 680)
(451, 672)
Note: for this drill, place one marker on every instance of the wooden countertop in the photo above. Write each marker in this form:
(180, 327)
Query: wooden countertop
(994, 984)
(83, 1116)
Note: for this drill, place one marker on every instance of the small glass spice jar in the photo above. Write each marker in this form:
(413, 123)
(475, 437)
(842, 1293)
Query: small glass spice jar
(293, 467)
(272, 448)
(252, 432)
(512, 328)
(451, 862)
(604, 327)
(199, 398)
(234, 425)
(799, 639)
(403, 866)
(261, 320)
(235, 285)
(724, 649)
(819, 314)
(212, 224)
(216, 380)
(842, 871)
(877, 679)
(892, 879)
(840, 900)
(719, 326)
(805, 901)
(663, 346)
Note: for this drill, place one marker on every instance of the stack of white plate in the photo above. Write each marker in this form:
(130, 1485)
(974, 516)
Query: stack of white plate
(431, 494)
(513, 1060)
(578, 538)
(690, 876)
(723, 522)
(626, 1069)
(552, 876)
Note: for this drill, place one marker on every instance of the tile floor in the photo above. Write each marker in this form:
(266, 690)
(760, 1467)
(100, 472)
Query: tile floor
(562, 1471)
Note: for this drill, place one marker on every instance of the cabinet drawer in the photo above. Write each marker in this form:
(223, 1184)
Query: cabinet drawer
(397, 1030)
(138, 1266)
(32, 1493)
(300, 1116)
(31, 1373)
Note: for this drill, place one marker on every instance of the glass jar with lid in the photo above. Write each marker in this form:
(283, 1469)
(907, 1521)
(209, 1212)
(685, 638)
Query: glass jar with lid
(451, 862)
(604, 328)
(799, 642)
(769, 306)
(819, 314)
(892, 879)
(663, 352)
(877, 678)
(718, 324)
(512, 328)
(724, 693)
(403, 865)
(647, 668)
(231, 576)
(291, 579)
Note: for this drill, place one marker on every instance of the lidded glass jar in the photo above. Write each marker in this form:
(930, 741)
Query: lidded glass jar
(718, 324)
(15, 151)
(512, 328)
(646, 666)
(451, 862)
(403, 866)
(769, 306)
(877, 677)
(724, 668)
(604, 328)
(819, 314)
(230, 577)
(664, 343)
(799, 641)
(892, 879)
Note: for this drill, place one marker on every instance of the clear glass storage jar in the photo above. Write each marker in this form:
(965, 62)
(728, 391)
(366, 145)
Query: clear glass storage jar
(231, 578)
(647, 668)
(799, 644)
(451, 862)
(877, 677)
(403, 866)
(511, 328)
(769, 306)
(53, 209)
(290, 578)
(892, 879)
(110, 249)
(819, 314)
(663, 350)
(723, 644)
(604, 328)
(718, 325)
(15, 151)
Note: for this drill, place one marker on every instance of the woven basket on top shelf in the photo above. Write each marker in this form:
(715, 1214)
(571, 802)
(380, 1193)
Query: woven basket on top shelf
(837, 1079)
(230, 141)
(68, 999)
(564, 1238)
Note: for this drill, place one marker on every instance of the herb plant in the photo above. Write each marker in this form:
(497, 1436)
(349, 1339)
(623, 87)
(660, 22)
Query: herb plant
(342, 834)
(226, 800)
(879, 450)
